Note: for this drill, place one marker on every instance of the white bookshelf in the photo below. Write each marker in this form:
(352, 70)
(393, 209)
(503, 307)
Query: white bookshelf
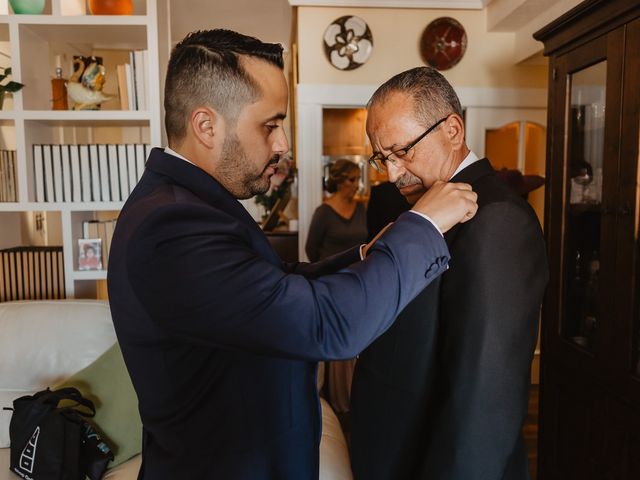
(34, 41)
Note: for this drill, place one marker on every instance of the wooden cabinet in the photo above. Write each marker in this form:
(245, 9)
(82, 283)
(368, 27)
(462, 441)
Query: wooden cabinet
(590, 385)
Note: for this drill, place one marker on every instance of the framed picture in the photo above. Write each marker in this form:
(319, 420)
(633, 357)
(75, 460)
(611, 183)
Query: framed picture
(89, 254)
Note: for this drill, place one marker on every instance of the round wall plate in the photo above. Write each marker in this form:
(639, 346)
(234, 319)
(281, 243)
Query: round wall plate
(348, 42)
(443, 43)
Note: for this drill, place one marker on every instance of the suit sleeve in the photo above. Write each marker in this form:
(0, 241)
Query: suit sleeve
(490, 302)
(197, 276)
(315, 237)
(325, 266)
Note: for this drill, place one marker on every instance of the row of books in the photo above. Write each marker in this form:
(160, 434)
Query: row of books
(96, 235)
(132, 81)
(87, 173)
(31, 273)
(8, 179)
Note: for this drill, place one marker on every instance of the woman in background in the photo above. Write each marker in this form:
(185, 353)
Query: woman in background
(338, 224)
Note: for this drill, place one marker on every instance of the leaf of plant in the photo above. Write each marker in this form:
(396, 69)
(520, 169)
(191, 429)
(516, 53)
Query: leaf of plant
(12, 87)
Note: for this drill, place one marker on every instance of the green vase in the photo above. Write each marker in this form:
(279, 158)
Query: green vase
(29, 7)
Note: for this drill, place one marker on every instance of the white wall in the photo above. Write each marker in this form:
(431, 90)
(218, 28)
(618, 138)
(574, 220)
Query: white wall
(488, 61)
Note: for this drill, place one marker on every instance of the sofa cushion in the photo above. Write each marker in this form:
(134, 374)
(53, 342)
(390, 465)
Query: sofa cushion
(127, 471)
(42, 343)
(107, 384)
(334, 453)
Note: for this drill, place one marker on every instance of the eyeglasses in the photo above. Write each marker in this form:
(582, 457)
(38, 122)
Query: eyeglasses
(379, 161)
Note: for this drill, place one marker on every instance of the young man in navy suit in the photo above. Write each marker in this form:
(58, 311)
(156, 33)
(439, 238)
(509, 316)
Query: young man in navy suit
(442, 395)
(220, 337)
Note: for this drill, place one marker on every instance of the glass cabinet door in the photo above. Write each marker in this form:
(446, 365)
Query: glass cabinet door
(585, 123)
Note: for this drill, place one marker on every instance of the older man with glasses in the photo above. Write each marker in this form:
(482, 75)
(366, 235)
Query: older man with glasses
(443, 393)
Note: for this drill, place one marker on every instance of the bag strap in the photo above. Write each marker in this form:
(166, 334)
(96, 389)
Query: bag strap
(54, 397)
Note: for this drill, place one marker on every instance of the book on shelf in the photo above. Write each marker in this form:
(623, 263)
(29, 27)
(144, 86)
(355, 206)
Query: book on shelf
(66, 172)
(132, 81)
(85, 172)
(132, 168)
(114, 183)
(94, 168)
(123, 171)
(48, 175)
(76, 179)
(82, 173)
(8, 178)
(123, 88)
(57, 173)
(38, 173)
(104, 173)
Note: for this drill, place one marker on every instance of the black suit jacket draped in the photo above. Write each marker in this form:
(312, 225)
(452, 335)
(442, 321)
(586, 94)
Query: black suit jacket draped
(442, 395)
(221, 338)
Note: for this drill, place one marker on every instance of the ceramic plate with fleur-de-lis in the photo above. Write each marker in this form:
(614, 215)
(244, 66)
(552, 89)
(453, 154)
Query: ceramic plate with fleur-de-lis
(348, 42)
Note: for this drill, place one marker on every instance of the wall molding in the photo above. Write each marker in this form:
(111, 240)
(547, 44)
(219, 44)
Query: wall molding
(331, 95)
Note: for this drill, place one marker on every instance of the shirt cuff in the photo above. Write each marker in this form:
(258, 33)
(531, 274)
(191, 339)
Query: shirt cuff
(426, 217)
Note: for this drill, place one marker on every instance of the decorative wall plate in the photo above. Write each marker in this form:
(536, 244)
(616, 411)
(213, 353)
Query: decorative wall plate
(348, 42)
(443, 43)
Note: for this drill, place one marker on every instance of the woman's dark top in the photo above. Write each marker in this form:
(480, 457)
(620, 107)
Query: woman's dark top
(330, 233)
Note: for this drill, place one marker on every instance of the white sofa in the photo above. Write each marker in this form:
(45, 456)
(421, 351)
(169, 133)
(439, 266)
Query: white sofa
(43, 343)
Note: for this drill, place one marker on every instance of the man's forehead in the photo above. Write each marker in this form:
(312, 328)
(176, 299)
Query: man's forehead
(389, 118)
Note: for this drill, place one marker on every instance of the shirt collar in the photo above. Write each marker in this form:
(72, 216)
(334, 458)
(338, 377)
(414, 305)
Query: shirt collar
(176, 154)
(468, 160)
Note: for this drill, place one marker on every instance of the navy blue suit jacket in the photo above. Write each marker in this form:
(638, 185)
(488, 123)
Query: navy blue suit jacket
(221, 338)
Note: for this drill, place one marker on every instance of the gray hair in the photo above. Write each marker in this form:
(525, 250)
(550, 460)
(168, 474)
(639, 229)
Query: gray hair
(433, 95)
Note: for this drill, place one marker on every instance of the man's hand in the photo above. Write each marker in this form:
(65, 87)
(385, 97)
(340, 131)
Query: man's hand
(447, 204)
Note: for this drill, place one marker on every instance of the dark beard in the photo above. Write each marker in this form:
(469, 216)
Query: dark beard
(234, 174)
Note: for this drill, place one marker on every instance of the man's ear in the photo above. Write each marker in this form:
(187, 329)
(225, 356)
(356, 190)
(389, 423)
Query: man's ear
(454, 128)
(204, 125)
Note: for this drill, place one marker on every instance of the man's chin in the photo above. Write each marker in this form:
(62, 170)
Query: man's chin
(412, 193)
(260, 187)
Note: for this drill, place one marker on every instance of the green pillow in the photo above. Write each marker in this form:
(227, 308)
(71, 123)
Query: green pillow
(107, 384)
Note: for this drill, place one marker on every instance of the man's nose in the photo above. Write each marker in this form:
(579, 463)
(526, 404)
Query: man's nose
(281, 144)
(394, 171)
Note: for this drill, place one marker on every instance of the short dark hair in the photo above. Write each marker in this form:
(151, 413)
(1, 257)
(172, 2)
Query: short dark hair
(433, 95)
(205, 69)
(338, 173)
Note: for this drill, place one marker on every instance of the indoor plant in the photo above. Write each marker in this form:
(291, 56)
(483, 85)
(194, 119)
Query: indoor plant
(7, 87)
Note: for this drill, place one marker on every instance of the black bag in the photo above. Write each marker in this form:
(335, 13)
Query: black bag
(56, 443)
